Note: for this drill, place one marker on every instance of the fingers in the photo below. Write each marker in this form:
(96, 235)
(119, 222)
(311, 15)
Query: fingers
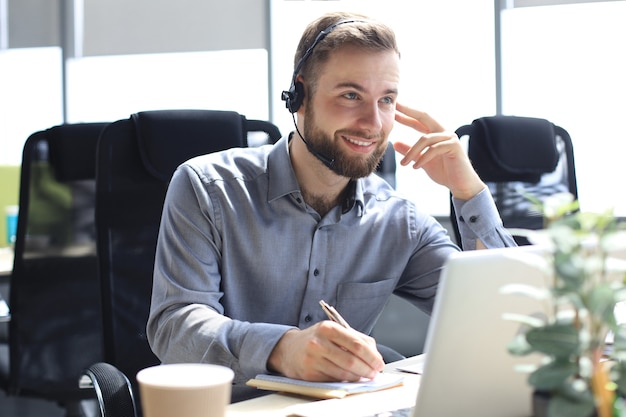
(427, 148)
(416, 119)
(353, 354)
(411, 122)
(401, 147)
(327, 352)
(439, 153)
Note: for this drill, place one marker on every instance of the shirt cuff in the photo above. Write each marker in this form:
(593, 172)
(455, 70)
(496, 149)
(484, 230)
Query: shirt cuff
(257, 346)
(478, 218)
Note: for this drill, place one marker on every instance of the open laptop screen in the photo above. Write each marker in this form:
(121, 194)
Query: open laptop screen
(468, 370)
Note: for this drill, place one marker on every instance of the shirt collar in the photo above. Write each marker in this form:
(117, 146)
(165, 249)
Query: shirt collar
(282, 178)
(354, 197)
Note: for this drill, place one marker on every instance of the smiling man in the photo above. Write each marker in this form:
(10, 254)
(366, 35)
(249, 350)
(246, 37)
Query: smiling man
(251, 239)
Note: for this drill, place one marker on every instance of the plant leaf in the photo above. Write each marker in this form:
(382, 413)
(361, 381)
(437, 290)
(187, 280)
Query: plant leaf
(552, 375)
(601, 302)
(619, 377)
(560, 406)
(560, 340)
(530, 321)
(519, 346)
(619, 338)
(570, 270)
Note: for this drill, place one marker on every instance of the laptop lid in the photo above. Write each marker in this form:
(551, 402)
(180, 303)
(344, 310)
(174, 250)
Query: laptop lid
(468, 370)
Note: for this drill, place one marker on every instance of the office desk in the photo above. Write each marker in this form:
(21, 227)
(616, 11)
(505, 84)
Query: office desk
(6, 267)
(280, 405)
(6, 262)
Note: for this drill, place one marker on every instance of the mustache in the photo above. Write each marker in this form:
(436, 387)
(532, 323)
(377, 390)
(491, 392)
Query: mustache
(361, 134)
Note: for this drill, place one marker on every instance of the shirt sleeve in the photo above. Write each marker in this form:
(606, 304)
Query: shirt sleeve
(478, 218)
(187, 321)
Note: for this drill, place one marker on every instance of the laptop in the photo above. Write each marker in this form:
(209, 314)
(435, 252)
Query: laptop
(468, 370)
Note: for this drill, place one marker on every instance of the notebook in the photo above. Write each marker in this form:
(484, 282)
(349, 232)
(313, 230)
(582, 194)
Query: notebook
(325, 390)
(468, 370)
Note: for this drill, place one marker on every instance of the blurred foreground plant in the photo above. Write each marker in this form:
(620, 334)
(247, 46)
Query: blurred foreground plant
(580, 337)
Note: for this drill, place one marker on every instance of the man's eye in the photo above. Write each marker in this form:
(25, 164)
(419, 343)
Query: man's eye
(351, 96)
(388, 100)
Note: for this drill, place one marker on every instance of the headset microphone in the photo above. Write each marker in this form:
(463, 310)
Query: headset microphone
(326, 161)
(294, 97)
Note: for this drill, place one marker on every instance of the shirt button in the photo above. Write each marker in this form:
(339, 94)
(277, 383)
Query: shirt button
(461, 219)
(316, 272)
(299, 200)
(473, 219)
(308, 318)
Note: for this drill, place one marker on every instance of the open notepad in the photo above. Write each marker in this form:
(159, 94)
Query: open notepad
(325, 389)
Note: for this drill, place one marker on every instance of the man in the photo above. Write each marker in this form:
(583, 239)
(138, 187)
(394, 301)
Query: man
(252, 239)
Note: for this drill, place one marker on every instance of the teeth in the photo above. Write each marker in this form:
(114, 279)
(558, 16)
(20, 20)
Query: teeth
(358, 142)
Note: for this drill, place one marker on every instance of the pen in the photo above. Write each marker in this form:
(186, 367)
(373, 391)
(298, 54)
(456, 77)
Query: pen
(333, 314)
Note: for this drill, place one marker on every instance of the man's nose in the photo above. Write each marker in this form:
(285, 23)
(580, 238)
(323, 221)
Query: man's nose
(371, 118)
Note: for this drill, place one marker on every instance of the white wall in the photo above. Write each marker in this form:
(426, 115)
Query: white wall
(115, 27)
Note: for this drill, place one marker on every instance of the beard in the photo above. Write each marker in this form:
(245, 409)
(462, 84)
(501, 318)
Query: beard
(346, 165)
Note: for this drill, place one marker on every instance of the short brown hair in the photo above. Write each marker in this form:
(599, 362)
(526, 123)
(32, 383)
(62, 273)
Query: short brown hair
(363, 32)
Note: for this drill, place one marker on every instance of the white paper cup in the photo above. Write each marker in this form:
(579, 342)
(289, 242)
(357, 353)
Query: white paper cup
(185, 390)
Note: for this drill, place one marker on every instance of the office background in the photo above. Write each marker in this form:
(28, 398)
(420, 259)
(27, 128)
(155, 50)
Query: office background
(101, 60)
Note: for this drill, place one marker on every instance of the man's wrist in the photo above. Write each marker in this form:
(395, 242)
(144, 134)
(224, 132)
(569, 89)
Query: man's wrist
(469, 193)
(276, 359)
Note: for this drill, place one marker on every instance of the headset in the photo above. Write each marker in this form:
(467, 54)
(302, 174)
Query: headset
(295, 95)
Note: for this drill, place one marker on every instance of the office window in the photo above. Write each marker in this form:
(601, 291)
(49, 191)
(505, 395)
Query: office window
(109, 88)
(30, 97)
(566, 63)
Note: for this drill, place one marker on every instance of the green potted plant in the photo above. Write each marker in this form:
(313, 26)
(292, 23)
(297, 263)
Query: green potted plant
(582, 343)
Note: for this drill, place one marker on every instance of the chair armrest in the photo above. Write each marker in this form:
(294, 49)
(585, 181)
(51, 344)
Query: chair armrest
(113, 390)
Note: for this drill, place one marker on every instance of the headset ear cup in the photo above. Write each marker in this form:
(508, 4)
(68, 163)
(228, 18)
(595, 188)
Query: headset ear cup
(297, 96)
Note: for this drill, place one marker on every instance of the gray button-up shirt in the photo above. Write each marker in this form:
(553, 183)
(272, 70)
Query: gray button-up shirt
(241, 258)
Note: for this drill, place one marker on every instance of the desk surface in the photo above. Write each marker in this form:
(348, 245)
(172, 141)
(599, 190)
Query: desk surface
(6, 266)
(277, 405)
(6, 261)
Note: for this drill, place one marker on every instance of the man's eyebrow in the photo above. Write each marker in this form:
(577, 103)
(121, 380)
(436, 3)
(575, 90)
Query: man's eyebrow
(360, 88)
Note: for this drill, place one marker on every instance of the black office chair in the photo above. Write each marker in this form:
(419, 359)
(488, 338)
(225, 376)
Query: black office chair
(518, 157)
(55, 327)
(136, 159)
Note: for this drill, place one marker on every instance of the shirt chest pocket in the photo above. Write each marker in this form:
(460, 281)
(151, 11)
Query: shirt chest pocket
(360, 303)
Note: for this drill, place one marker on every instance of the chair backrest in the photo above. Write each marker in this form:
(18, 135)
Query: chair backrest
(136, 159)
(519, 157)
(56, 324)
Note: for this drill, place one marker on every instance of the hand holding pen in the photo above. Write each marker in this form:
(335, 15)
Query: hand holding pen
(325, 352)
(333, 314)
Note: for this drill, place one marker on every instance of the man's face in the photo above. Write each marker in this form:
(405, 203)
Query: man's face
(349, 117)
